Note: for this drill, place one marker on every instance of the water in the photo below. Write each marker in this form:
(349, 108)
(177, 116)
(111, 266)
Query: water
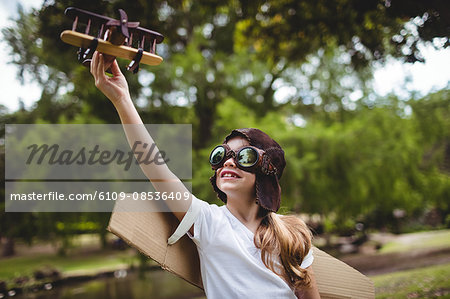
(153, 284)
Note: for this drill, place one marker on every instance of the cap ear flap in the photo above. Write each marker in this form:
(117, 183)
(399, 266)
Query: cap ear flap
(268, 192)
(219, 192)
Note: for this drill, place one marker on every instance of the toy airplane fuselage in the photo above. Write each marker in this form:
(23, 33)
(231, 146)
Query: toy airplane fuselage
(116, 38)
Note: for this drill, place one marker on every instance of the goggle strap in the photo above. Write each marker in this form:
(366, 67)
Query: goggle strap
(266, 167)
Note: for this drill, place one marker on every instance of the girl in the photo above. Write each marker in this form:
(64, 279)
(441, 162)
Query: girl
(246, 250)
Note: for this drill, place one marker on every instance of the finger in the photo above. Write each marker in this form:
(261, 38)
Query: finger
(101, 66)
(93, 62)
(99, 69)
(115, 69)
(108, 60)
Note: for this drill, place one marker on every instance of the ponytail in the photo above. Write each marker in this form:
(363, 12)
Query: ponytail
(289, 239)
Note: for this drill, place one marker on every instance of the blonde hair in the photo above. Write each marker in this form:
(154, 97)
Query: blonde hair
(289, 239)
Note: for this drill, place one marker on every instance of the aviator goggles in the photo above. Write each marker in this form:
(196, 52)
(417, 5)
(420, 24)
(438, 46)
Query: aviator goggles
(247, 158)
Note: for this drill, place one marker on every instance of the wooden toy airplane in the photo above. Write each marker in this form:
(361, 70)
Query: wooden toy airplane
(116, 38)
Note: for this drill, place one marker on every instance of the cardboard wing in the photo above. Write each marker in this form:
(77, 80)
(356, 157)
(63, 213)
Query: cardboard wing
(336, 279)
(148, 232)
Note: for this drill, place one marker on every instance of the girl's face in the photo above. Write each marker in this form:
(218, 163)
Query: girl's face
(230, 179)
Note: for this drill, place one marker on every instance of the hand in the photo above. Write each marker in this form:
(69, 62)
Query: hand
(114, 88)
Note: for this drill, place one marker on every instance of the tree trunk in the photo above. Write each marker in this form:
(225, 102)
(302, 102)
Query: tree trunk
(8, 247)
(103, 239)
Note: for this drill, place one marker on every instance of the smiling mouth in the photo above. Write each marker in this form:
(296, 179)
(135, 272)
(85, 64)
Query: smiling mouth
(229, 174)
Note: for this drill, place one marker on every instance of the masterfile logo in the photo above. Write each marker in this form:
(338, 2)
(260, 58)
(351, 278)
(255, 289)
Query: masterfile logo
(87, 168)
(52, 154)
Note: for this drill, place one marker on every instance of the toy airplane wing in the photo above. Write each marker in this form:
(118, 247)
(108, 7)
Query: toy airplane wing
(117, 38)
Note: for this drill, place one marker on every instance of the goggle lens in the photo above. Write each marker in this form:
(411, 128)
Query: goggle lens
(247, 157)
(217, 155)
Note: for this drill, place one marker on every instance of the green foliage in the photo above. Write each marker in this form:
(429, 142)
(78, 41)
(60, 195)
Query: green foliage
(293, 29)
(432, 123)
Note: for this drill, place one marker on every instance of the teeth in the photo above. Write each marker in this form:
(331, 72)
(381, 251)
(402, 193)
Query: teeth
(229, 175)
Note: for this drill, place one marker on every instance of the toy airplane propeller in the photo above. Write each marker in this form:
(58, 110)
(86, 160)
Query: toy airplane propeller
(116, 38)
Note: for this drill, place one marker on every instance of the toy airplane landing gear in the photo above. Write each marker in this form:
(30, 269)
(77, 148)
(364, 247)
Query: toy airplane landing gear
(115, 38)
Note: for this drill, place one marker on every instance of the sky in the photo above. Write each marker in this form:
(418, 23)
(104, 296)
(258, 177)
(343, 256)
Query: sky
(394, 76)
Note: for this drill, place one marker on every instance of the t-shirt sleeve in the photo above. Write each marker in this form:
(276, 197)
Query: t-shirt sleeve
(205, 225)
(307, 260)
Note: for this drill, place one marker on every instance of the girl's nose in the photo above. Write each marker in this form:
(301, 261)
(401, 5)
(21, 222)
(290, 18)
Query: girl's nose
(229, 163)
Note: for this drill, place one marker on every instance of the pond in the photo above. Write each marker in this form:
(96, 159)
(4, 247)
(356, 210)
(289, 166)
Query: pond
(152, 284)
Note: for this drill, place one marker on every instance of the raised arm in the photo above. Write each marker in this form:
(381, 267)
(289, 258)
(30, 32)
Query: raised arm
(115, 88)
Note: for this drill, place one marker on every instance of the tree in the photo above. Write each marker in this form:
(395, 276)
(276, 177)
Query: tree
(368, 30)
(275, 35)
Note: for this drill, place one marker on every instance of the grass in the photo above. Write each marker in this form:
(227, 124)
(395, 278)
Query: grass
(420, 240)
(93, 262)
(429, 282)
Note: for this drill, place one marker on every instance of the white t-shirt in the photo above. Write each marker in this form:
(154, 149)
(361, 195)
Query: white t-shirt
(231, 265)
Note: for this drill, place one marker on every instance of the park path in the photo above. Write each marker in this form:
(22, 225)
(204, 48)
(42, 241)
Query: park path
(375, 264)
(413, 250)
